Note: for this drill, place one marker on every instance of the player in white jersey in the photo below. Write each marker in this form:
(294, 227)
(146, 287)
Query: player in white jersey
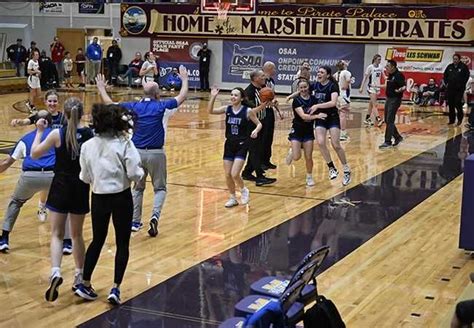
(373, 75)
(343, 78)
(33, 80)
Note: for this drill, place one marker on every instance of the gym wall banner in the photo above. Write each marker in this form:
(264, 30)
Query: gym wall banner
(175, 52)
(242, 57)
(416, 25)
(50, 7)
(91, 7)
(420, 63)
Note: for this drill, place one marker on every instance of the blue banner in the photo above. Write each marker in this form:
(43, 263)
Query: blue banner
(241, 57)
(96, 7)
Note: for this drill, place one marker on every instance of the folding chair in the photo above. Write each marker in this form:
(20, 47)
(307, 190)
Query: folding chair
(275, 286)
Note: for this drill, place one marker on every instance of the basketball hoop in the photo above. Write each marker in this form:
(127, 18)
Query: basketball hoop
(222, 9)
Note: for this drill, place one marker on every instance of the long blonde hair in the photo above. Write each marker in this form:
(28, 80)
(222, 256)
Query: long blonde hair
(73, 109)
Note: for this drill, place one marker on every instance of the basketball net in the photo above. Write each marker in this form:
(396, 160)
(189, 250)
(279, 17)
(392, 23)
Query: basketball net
(222, 9)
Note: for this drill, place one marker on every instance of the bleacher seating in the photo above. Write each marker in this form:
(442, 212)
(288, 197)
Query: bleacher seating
(9, 82)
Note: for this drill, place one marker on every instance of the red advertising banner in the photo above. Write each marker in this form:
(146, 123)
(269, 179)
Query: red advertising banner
(420, 63)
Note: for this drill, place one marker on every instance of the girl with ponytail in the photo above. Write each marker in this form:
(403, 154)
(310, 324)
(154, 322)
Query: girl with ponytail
(68, 195)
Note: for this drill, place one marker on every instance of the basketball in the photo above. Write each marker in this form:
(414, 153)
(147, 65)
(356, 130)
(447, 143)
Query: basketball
(266, 94)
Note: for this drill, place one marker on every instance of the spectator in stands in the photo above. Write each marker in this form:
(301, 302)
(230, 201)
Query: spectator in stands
(32, 48)
(80, 67)
(133, 69)
(114, 56)
(49, 75)
(428, 95)
(17, 55)
(57, 56)
(94, 58)
(173, 81)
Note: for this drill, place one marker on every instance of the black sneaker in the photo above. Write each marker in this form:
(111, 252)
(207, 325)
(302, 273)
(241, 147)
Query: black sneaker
(52, 293)
(385, 145)
(397, 141)
(264, 181)
(249, 177)
(153, 231)
(4, 247)
(270, 166)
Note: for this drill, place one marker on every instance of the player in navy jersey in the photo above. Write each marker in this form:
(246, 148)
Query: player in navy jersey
(51, 101)
(237, 133)
(68, 195)
(326, 92)
(302, 132)
(57, 121)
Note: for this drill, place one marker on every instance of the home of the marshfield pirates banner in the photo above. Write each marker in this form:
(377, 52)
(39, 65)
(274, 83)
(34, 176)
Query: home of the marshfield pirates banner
(435, 25)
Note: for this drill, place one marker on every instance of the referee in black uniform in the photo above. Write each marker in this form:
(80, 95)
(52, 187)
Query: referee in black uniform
(269, 122)
(254, 161)
(394, 91)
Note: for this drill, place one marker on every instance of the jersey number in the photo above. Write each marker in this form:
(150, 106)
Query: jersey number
(234, 129)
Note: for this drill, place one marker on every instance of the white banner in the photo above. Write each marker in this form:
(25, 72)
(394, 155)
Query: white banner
(50, 7)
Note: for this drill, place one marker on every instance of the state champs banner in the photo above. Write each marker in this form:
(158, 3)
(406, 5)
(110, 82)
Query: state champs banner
(376, 24)
(242, 57)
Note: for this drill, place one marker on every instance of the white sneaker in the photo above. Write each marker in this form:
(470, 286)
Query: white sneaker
(368, 121)
(289, 157)
(138, 80)
(343, 136)
(310, 181)
(231, 202)
(333, 173)
(245, 196)
(77, 280)
(346, 179)
(42, 214)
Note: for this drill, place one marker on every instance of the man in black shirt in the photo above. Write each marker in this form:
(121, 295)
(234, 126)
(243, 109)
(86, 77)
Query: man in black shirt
(204, 62)
(254, 161)
(395, 85)
(456, 76)
(17, 55)
(114, 56)
(268, 129)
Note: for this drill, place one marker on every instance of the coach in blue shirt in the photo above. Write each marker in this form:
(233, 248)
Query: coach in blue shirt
(94, 59)
(36, 176)
(151, 118)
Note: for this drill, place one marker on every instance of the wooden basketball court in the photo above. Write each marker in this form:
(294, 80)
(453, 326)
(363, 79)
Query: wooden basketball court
(408, 273)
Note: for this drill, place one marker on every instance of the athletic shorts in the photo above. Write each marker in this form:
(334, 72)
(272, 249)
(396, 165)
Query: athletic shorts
(301, 133)
(331, 121)
(146, 79)
(465, 312)
(372, 90)
(235, 149)
(343, 101)
(68, 194)
(67, 75)
(80, 69)
(33, 82)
